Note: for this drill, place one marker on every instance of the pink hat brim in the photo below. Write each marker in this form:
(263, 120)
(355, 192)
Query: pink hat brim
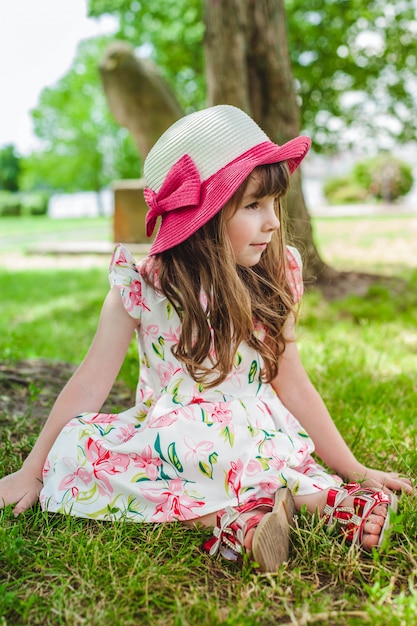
(177, 226)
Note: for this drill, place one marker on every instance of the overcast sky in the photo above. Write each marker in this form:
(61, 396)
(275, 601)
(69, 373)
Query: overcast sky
(38, 42)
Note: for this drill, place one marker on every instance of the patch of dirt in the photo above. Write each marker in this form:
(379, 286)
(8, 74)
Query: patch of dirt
(342, 284)
(30, 387)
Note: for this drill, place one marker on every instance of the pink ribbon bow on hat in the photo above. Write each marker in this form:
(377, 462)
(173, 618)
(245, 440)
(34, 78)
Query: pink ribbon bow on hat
(180, 189)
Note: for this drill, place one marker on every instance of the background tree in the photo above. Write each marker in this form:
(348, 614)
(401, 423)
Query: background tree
(82, 146)
(9, 168)
(354, 63)
(248, 65)
(355, 66)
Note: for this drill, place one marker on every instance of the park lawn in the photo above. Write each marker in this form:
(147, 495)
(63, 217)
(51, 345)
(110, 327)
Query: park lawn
(361, 353)
(19, 233)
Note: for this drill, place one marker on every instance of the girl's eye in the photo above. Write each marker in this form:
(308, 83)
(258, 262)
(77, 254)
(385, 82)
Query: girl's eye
(253, 205)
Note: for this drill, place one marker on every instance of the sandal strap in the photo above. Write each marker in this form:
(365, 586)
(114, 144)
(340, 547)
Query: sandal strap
(230, 529)
(352, 519)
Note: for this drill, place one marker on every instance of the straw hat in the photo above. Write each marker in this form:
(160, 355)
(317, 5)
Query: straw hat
(199, 162)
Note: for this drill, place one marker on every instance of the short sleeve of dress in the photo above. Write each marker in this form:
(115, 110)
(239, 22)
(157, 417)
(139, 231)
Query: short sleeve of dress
(124, 274)
(295, 273)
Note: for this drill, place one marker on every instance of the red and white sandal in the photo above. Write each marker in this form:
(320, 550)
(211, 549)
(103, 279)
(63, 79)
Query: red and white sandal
(352, 519)
(270, 543)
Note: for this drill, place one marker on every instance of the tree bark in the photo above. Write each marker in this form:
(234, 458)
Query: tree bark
(248, 65)
(139, 98)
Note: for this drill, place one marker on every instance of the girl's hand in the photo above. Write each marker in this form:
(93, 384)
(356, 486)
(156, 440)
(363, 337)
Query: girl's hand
(386, 481)
(21, 488)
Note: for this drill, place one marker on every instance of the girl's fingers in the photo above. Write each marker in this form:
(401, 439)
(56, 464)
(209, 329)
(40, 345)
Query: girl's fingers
(25, 503)
(390, 482)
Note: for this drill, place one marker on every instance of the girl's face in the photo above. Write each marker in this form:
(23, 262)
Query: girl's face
(251, 226)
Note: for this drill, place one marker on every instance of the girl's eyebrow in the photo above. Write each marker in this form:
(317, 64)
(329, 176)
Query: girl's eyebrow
(250, 197)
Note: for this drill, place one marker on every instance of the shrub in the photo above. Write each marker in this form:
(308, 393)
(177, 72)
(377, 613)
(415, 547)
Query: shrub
(35, 203)
(10, 205)
(340, 190)
(15, 204)
(384, 177)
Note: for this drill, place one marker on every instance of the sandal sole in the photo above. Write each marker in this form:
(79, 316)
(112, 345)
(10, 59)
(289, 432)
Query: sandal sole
(271, 541)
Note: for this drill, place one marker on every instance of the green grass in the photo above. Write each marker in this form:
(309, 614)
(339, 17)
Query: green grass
(362, 355)
(21, 232)
(373, 243)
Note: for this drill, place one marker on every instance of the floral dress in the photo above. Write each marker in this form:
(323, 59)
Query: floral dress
(182, 451)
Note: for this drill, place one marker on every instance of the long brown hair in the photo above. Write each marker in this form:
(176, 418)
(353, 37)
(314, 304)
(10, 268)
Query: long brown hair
(237, 300)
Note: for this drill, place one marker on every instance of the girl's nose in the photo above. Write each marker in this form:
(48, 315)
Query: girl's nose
(271, 219)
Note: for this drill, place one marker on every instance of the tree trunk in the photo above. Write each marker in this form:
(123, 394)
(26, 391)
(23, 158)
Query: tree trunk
(138, 97)
(248, 65)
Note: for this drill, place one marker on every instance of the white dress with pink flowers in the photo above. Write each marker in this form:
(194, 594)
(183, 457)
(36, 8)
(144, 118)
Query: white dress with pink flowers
(182, 451)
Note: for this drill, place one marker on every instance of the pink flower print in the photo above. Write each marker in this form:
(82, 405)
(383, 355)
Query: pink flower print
(221, 419)
(235, 376)
(302, 452)
(270, 486)
(197, 400)
(294, 276)
(118, 257)
(151, 332)
(253, 468)
(77, 473)
(269, 451)
(233, 477)
(189, 412)
(172, 336)
(74, 492)
(220, 416)
(104, 463)
(46, 467)
(99, 418)
(126, 433)
(293, 425)
(203, 300)
(133, 296)
(197, 451)
(147, 462)
(173, 503)
(166, 371)
(164, 420)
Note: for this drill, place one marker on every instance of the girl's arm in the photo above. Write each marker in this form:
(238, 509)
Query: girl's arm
(86, 391)
(300, 397)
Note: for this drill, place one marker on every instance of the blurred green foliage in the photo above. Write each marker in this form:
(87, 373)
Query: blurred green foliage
(9, 168)
(14, 204)
(383, 177)
(83, 147)
(354, 66)
(354, 63)
(171, 34)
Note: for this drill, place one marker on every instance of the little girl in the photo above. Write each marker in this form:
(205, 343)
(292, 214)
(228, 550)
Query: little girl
(226, 418)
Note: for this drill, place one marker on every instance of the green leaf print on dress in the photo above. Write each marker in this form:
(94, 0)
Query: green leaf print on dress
(163, 475)
(159, 348)
(207, 468)
(174, 458)
(252, 371)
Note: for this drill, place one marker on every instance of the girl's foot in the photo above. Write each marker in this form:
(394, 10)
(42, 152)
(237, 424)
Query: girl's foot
(373, 526)
(360, 512)
(265, 533)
